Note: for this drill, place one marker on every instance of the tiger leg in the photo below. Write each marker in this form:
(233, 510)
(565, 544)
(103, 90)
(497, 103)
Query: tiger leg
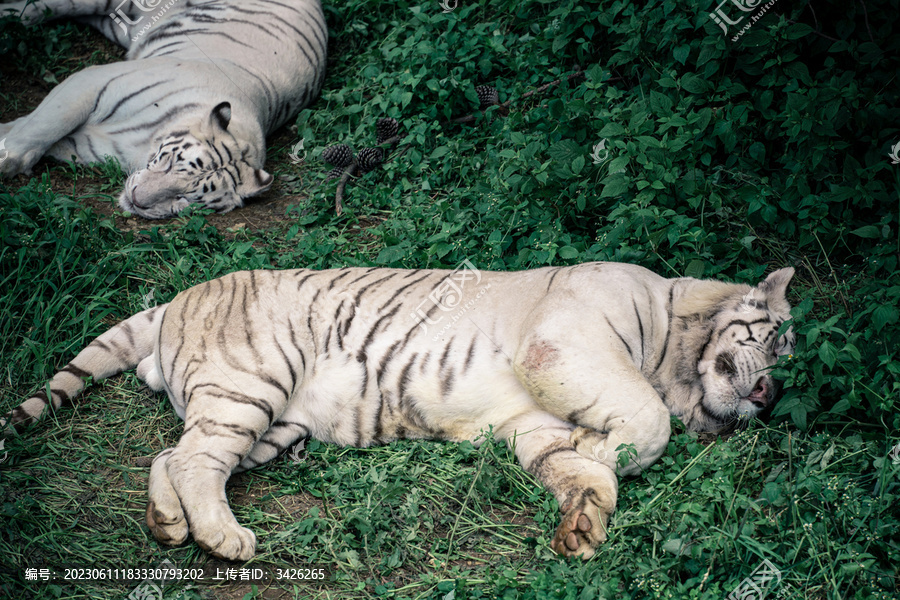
(165, 518)
(585, 489)
(596, 387)
(219, 434)
(65, 109)
(283, 432)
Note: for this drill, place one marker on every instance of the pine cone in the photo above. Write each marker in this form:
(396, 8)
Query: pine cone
(386, 128)
(335, 173)
(339, 156)
(487, 95)
(369, 158)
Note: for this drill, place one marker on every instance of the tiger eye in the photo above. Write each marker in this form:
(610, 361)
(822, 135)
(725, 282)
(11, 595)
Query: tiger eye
(725, 364)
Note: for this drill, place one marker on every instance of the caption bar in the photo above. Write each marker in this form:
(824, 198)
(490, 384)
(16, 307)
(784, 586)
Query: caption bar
(170, 574)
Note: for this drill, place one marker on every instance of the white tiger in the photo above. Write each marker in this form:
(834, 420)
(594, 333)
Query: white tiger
(187, 115)
(566, 364)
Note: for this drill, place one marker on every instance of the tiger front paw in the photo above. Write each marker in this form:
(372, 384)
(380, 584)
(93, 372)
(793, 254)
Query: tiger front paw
(14, 162)
(583, 527)
(230, 541)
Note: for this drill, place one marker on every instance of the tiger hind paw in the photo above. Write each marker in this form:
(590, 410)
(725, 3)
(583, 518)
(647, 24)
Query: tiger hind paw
(170, 529)
(582, 529)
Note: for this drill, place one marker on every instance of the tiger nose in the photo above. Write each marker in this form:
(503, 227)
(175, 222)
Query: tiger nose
(760, 394)
(153, 188)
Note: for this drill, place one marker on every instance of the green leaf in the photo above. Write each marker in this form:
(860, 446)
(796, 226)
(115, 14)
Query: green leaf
(660, 103)
(618, 164)
(828, 353)
(578, 164)
(439, 152)
(694, 83)
(565, 151)
(841, 406)
(798, 416)
(884, 315)
(559, 43)
(568, 252)
(797, 31)
(799, 70)
(615, 188)
(390, 254)
(612, 130)
(695, 269)
(681, 53)
(677, 546)
(867, 231)
(595, 73)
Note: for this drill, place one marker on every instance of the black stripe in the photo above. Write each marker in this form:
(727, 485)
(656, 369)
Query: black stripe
(64, 399)
(616, 331)
(73, 370)
(665, 346)
(552, 277)
(402, 289)
(334, 280)
(538, 463)
(640, 328)
(128, 97)
(469, 355)
(362, 354)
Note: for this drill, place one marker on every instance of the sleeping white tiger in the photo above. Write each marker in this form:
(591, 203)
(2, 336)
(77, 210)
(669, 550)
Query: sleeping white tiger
(566, 364)
(187, 115)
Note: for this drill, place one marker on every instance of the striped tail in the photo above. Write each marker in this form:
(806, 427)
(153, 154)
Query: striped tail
(119, 349)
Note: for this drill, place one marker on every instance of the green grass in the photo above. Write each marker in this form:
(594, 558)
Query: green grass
(726, 160)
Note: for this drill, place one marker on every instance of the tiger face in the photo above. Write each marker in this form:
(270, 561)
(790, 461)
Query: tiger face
(736, 363)
(204, 165)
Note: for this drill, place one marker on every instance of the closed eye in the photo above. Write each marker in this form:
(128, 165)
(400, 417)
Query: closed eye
(725, 364)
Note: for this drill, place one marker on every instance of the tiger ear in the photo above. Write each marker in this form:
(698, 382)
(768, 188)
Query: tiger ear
(775, 285)
(220, 116)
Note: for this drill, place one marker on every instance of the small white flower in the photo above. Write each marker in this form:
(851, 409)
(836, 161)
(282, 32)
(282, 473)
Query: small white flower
(894, 454)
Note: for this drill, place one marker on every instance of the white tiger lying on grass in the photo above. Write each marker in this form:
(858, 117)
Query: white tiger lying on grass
(188, 112)
(566, 364)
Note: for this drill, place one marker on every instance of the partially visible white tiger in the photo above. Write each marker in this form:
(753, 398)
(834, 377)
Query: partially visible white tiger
(566, 364)
(188, 113)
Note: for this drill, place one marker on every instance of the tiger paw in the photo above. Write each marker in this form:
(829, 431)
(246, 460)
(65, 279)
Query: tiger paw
(13, 162)
(170, 529)
(583, 527)
(230, 542)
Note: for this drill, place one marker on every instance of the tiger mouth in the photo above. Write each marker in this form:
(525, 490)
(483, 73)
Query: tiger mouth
(760, 396)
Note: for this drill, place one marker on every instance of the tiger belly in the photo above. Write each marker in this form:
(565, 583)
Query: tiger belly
(339, 406)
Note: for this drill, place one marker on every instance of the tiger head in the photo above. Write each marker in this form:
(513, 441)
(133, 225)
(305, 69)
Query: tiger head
(204, 165)
(737, 351)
